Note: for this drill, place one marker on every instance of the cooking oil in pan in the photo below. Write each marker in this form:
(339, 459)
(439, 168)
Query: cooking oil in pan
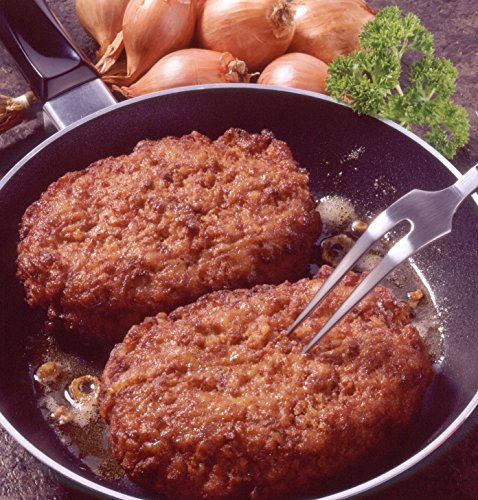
(67, 386)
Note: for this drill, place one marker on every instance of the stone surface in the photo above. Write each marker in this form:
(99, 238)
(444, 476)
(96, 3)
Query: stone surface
(452, 475)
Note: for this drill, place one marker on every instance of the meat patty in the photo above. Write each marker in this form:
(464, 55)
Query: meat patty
(135, 235)
(215, 401)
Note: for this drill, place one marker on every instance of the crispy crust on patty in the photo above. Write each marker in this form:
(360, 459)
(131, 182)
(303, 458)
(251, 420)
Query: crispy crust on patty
(179, 217)
(215, 401)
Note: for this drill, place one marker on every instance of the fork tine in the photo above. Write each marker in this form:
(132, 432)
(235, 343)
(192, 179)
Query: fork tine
(396, 255)
(377, 228)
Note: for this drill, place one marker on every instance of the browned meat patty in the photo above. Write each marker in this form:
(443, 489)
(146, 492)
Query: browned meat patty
(143, 233)
(215, 401)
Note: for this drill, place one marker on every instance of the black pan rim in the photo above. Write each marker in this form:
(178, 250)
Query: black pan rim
(228, 86)
(359, 489)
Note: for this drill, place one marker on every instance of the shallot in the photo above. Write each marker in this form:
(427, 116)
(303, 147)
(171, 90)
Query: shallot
(296, 70)
(13, 110)
(328, 28)
(189, 67)
(102, 19)
(256, 31)
(152, 29)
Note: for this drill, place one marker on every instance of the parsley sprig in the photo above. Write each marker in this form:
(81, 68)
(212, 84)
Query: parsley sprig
(369, 80)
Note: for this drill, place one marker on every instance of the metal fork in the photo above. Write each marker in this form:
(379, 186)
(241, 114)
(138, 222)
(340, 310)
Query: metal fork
(430, 214)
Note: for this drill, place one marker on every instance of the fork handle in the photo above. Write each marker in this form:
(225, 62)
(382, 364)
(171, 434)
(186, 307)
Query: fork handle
(467, 184)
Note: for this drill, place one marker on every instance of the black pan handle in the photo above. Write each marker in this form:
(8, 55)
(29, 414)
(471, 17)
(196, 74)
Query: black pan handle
(48, 58)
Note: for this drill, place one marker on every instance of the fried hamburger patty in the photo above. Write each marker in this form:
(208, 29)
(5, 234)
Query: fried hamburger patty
(216, 401)
(143, 233)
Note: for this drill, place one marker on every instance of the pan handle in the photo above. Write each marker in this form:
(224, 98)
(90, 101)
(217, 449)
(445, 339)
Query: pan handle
(48, 58)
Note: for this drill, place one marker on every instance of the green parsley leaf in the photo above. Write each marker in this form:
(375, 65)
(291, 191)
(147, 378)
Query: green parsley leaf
(369, 80)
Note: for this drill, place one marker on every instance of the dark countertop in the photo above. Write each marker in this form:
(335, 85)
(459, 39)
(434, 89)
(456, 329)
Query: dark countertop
(453, 472)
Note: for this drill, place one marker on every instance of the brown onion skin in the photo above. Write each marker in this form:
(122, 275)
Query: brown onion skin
(300, 71)
(188, 67)
(102, 19)
(328, 28)
(255, 31)
(198, 5)
(152, 30)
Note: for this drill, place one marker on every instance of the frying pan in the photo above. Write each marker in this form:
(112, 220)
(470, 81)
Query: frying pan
(322, 135)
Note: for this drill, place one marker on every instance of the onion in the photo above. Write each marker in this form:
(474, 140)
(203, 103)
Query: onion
(189, 67)
(13, 110)
(296, 70)
(199, 5)
(102, 19)
(328, 28)
(256, 31)
(111, 54)
(151, 29)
